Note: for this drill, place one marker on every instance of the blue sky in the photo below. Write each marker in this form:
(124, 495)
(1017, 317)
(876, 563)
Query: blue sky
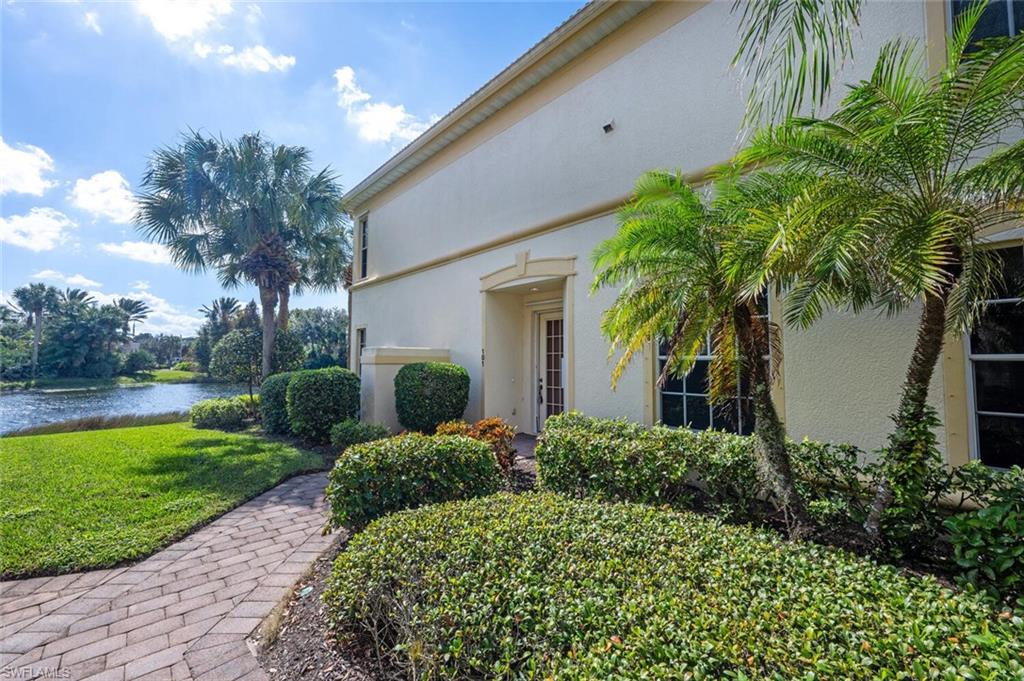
(89, 89)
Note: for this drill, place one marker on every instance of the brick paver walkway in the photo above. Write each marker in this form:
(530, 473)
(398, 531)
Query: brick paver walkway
(185, 613)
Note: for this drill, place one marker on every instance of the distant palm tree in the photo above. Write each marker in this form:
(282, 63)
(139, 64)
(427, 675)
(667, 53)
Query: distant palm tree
(221, 310)
(36, 300)
(71, 298)
(253, 211)
(668, 262)
(135, 311)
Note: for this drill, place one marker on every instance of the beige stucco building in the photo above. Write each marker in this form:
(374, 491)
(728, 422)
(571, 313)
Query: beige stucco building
(473, 243)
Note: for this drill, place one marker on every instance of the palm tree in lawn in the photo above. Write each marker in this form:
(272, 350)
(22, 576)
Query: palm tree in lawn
(911, 173)
(36, 300)
(252, 211)
(135, 311)
(668, 261)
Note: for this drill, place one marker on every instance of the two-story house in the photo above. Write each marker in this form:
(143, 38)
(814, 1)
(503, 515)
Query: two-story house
(473, 243)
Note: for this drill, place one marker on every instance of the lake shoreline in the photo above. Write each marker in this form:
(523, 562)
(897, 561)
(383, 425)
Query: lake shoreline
(157, 377)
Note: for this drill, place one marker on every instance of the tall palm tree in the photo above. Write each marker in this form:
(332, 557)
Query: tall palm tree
(36, 300)
(911, 171)
(254, 212)
(71, 297)
(135, 311)
(221, 310)
(668, 259)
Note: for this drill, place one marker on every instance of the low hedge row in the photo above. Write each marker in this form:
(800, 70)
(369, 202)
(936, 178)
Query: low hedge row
(543, 586)
(616, 460)
(374, 478)
(221, 413)
(352, 432)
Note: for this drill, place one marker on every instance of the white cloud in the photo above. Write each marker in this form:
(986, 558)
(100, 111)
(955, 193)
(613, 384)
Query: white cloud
(22, 169)
(105, 195)
(140, 285)
(142, 251)
(71, 280)
(375, 121)
(259, 58)
(164, 316)
(204, 50)
(41, 229)
(92, 20)
(178, 19)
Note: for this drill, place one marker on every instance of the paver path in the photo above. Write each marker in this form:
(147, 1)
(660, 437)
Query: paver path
(185, 613)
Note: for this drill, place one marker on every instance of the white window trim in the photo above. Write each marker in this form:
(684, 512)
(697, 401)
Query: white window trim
(360, 257)
(969, 360)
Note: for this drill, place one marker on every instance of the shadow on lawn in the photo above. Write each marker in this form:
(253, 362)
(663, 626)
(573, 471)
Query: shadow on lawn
(223, 466)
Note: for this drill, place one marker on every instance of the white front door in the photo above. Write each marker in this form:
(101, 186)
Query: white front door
(550, 367)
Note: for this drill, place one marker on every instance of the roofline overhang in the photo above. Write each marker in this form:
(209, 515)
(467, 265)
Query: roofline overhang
(578, 33)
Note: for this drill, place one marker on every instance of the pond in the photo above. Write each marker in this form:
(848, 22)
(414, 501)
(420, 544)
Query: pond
(22, 409)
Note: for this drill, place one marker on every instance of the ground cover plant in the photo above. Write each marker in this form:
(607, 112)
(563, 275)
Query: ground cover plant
(87, 500)
(542, 586)
(374, 478)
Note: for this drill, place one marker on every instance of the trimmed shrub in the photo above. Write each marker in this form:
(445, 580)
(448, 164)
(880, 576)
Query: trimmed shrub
(495, 431)
(429, 393)
(274, 403)
(371, 479)
(615, 460)
(351, 432)
(542, 586)
(319, 398)
(222, 413)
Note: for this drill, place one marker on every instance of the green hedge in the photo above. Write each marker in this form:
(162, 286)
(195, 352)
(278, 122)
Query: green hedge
(222, 413)
(319, 398)
(542, 586)
(615, 460)
(351, 432)
(429, 393)
(371, 479)
(274, 403)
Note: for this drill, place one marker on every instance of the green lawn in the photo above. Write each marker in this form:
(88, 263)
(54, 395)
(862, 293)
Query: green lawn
(75, 501)
(143, 378)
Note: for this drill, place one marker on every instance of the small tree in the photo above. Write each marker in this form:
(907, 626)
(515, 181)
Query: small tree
(238, 356)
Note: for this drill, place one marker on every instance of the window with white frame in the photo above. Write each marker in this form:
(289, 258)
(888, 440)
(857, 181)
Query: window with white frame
(360, 346)
(364, 244)
(1000, 18)
(995, 351)
(684, 401)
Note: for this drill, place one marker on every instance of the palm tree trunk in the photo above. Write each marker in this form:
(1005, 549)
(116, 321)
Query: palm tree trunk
(927, 348)
(37, 336)
(769, 431)
(283, 294)
(268, 299)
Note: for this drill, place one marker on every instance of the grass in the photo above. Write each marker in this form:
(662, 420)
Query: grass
(101, 423)
(86, 500)
(142, 378)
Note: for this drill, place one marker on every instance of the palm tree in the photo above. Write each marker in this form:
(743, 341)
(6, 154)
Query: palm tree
(221, 310)
(910, 172)
(253, 211)
(668, 259)
(135, 311)
(71, 297)
(36, 300)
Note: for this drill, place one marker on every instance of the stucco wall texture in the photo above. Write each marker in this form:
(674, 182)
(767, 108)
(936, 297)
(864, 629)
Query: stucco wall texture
(675, 104)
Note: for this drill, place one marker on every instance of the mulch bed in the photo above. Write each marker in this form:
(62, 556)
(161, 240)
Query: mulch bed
(301, 644)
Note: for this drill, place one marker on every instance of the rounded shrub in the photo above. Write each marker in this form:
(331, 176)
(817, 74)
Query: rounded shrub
(542, 586)
(274, 403)
(352, 432)
(496, 432)
(222, 413)
(429, 393)
(319, 398)
(374, 478)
